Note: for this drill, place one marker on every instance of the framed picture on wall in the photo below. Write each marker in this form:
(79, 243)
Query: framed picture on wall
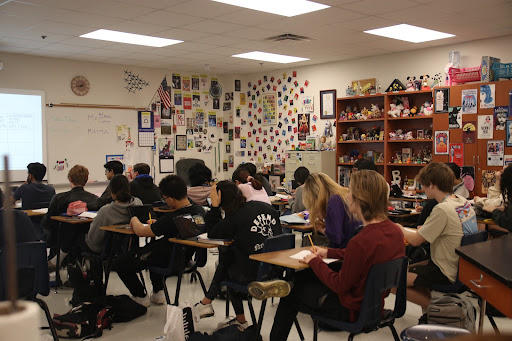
(509, 133)
(181, 142)
(328, 104)
(441, 100)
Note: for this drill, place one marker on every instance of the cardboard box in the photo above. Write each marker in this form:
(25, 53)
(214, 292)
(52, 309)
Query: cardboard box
(486, 68)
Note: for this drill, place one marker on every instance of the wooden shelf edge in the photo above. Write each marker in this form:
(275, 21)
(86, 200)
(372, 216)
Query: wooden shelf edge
(420, 140)
(410, 118)
(406, 164)
(360, 97)
(352, 163)
(360, 121)
(357, 141)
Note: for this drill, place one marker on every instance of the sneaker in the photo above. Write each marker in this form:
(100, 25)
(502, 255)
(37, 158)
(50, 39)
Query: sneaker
(233, 322)
(158, 297)
(201, 311)
(263, 290)
(142, 300)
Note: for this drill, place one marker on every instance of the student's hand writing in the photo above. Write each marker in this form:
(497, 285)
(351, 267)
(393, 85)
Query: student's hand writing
(215, 196)
(320, 252)
(306, 259)
(151, 221)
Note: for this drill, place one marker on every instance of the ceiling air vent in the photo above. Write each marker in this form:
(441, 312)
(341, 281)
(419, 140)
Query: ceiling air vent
(288, 37)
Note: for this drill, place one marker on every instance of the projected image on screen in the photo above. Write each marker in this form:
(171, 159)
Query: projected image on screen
(21, 129)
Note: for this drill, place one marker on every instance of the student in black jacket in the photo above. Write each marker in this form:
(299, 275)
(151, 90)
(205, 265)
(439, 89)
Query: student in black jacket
(112, 168)
(248, 224)
(142, 186)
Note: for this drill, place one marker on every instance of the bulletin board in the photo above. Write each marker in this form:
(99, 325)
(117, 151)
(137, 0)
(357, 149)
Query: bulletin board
(78, 135)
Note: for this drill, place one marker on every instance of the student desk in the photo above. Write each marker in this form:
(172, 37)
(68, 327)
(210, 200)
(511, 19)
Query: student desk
(34, 213)
(485, 269)
(123, 228)
(75, 221)
(282, 258)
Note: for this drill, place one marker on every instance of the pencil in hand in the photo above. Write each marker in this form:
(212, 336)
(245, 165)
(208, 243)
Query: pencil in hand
(149, 219)
(311, 241)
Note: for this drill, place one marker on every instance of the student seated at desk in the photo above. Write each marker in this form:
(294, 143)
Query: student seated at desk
(33, 193)
(443, 229)
(326, 202)
(22, 226)
(296, 202)
(251, 187)
(248, 224)
(142, 186)
(200, 178)
(339, 295)
(251, 168)
(112, 168)
(77, 176)
(113, 213)
(502, 214)
(157, 252)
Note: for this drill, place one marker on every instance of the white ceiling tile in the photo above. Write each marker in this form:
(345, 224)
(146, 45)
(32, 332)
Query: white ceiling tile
(167, 19)
(85, 42)
(89, 58)
(130, 48)
(336, 2)
(87, 19)
(105, 53)
(213, 27)
(249, 17)
(373, 7)
(16, 23)
(168, 51)
(204, 9)
(189, 46)
(224, 51)
(12, 49)
(57, 47)
(157, 4)
(411, 14)
(180, 34)
(64, 4)
(37, 35)
(60, 28)
(24, 9)
(48, 53)
(366, 23)
(135, 27)
(254, 33)
(219, 40)
(116, 9)
(23, 43)
(466, 6)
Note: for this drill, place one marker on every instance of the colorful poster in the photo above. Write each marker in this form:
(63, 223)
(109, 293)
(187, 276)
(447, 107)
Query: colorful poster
(307, 104)
(195, 82)
(485, 126)
(487, 96)
(488, 180)
(187, 101)
(199, 121)
(237, 132)
(469, 132)
(303, 129)
(467, 175)
(212, 119)
(206, 98)
(469, 101)
(509, 133)
(495, 151)
(177, 97)
(457, 153)
(204, 82)
(165, 147)
(507, 159)
(190, 143)
(186, 83)
(455, 117)
(442, 100)
(242, 99)
(166, 127)
(176, 81)
(196, 100)
(441, 142)
(269, 109)
(500, 117)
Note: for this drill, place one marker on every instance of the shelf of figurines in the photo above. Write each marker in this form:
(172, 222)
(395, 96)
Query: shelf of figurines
(352, 163)
(398, 164)
(422, 135)
(361, 141)
(362, 120)
(381, 94)
(410, 141)
(409, 118)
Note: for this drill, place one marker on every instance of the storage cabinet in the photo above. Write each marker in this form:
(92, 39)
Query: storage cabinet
(314, 161)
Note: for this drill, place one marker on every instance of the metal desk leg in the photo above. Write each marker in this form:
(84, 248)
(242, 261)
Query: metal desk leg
(483, 303)
(57, 267)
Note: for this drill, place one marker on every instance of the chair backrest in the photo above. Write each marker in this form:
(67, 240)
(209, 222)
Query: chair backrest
(31, 257)
(381, 278)
(473, 238)
(182, 167)
(280, 242)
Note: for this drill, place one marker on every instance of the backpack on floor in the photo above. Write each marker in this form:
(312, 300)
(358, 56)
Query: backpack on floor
(86, 278)
(124, 308)
(230, 333)
(88, 319)
(452, 310)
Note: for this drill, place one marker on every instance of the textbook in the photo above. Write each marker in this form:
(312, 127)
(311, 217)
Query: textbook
(203, 238)
(292, 219)
(304, 253)
(88, 214)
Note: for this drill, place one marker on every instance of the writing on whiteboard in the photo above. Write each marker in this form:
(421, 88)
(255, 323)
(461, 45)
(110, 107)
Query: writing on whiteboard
(100, 118)
(101, 131)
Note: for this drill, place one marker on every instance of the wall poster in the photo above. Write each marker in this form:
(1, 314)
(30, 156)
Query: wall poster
(269, 109)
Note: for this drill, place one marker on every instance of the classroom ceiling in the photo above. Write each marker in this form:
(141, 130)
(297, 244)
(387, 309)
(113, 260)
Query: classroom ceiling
(213, 31)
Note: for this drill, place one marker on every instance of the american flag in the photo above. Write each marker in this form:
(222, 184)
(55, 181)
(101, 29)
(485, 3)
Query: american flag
(163, 92)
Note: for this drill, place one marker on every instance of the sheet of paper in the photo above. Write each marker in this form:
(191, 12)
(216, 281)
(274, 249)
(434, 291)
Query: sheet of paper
(304, 253)
(88, 214)
(41, 210)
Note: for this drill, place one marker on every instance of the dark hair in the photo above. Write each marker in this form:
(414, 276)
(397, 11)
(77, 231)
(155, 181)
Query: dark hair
(115, 166)
(506, 184)
(362, 164)
(38, 170)
(174, 187)
(250, 167)
(231, 197)
(141, 168)
(437, 174)
(120, 186)
(301, 174)
(241, 175)
(455, 169)
(199, 175)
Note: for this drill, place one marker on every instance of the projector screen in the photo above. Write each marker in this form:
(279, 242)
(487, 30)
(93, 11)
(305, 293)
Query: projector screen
(22, 131)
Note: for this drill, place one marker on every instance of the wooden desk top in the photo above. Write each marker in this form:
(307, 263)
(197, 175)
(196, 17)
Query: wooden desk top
(299, 227)
(123, 228)
(407, 199)
(405, 215)
(279, 202)
(190, 242)
(282, 258)
(492, 256)
(71, 220)
(33, 213)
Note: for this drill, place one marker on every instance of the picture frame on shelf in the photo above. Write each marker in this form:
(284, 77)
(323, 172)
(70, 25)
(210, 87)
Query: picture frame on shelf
(406, 154)
(328, 104)
(441, 100)
(420, 134)
(181, 142)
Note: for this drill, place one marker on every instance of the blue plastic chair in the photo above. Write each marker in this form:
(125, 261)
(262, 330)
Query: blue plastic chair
(281, 242)
(177, 265)
(32, 265)
(382, 277)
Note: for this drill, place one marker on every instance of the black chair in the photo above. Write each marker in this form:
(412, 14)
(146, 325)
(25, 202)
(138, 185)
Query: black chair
(265, 272)
(33, 276)
(381, 278)
(177, 266)
(36, 220)
(182, 167)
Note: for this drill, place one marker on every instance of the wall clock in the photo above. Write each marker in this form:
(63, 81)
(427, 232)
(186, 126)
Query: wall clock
(80, 85)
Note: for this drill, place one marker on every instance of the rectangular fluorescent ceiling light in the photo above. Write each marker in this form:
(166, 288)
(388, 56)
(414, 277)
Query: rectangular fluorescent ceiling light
(413, 34)
(287, 8)
(130, 38)
(270, 57)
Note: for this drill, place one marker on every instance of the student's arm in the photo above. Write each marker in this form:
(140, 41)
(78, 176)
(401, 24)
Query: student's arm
(503, 218)
(414, 238)
(140, 229)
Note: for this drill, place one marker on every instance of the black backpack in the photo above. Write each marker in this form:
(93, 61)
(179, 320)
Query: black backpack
(86, 277)
(88, 319)
(230, 333)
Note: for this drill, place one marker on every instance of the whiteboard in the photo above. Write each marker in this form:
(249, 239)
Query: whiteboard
(85, 136)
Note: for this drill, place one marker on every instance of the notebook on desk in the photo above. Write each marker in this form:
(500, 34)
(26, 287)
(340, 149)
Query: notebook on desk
(142, 212)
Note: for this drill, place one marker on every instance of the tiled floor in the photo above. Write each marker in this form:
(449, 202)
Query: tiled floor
(151, 325)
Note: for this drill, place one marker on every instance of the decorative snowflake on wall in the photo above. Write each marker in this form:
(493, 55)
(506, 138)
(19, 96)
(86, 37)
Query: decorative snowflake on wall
(133, 82)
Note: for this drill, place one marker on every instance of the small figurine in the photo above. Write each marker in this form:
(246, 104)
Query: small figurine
(394, 111)
(408, 136)
(424, 82)
(414, 111)
(437, 80)
(409, 86)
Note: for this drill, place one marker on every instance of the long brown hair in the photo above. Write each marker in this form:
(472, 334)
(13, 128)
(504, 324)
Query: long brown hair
(370, 192)
(231, 197)
(318, 188)
(241, 175)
